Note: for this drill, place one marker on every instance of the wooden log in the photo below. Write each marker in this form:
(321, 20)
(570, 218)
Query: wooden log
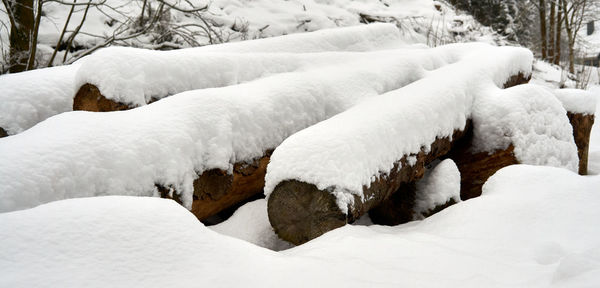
(582, 128)
(299, 211)
(89, 98)
(476, 168)
(216, 190)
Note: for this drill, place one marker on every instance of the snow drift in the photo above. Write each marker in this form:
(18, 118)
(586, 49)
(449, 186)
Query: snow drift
(511, 236)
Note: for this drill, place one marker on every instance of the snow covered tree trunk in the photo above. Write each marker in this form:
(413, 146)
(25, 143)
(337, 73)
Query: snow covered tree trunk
(582, 128)
(299, 211)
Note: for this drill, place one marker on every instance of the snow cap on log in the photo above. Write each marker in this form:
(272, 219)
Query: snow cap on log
(135, 77)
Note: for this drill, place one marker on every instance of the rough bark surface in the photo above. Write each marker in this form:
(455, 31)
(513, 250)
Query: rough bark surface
(476, 168)
(89, 98)
(299, 212)
(216, 190)
(582, 128)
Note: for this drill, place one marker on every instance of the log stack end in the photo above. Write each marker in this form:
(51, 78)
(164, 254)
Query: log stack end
(89, 98)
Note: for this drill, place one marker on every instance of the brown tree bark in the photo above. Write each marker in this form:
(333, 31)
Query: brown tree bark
(551, 33)
(543, 29)
(557, 42)
(582, 128)
(21, 18)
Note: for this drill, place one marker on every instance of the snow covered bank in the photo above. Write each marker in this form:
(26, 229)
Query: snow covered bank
(137, 76)
(28, 98)
(171, 141)
(511, 236)
(251, 223)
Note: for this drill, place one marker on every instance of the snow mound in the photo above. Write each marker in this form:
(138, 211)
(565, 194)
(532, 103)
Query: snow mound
(251, 223)
(530, 118)
(136, 76)
(170, 142)
(439, 186)
(510, 236)
(30, 97)
(577, 101)
(349, 150)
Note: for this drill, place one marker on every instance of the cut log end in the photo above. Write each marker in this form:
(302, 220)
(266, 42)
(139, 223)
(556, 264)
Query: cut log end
(300, 212)
(89, 98)
(517, 80)
(216, 190)
(582, 128)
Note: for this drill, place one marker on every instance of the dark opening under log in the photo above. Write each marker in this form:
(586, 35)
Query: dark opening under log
(299, 211)
(89, 98)
(3, 132)
(582, 128)
(216, 190)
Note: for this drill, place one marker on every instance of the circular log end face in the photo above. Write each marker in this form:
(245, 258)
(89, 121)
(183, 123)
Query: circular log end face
(300, 212)
(89, 98)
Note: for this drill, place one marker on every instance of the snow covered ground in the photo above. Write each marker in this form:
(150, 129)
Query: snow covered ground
(533, 227)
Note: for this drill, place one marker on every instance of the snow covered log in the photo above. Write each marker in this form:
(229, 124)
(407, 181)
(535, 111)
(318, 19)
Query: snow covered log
(169, 143)
(524, 124)
(300, 211)
(580, 106)
(332, 173)
(121, 78)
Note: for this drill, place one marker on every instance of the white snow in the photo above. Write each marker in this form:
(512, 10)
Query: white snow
(530, 118)
(439, 185)
(169, 142)
(594, 149)
(135, 76)
(343, 153)
(577, 101)
(28, 98)
(251, 223)
(533, 227)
